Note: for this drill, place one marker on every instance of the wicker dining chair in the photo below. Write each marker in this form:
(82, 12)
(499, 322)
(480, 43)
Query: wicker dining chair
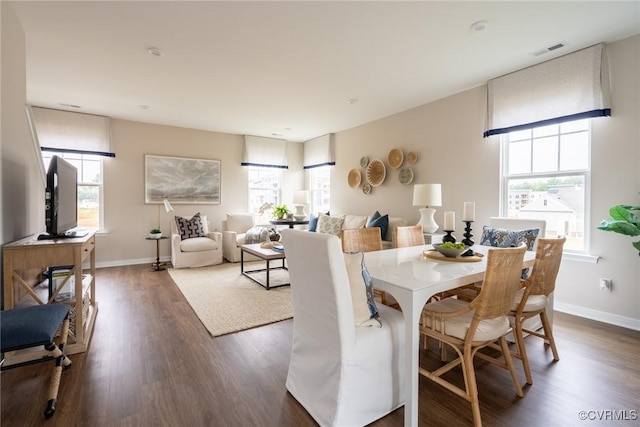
(366, 239)
(410, 235)
(533, 299)
(469, 326)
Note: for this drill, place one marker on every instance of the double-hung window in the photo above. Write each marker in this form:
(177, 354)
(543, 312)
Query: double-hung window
(89, 166)
(545, 175)
(264, 192)
(320, 186)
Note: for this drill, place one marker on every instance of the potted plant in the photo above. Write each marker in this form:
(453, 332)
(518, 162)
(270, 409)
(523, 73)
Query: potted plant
(279, 211)
(623, 221)
(155, 233)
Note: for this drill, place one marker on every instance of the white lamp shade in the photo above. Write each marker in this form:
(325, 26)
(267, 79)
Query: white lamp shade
(167, 206)
(300, 197)
(427, 195)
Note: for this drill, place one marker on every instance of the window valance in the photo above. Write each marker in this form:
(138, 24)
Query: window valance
(319, 152)
(571, 87)
(71, 132)
(265, 152)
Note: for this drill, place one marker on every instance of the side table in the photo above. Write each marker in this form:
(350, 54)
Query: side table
(157, 266)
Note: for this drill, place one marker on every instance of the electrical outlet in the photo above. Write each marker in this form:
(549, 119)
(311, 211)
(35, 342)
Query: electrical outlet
(605, 284)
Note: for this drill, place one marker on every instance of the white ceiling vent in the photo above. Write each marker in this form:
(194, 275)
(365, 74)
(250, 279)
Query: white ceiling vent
(548, 49)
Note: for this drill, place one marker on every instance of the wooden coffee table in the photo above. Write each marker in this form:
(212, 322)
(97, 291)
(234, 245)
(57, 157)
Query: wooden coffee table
(267, 255)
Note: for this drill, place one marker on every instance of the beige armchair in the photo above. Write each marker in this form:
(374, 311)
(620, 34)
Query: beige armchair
(234, 230)
(196, 251)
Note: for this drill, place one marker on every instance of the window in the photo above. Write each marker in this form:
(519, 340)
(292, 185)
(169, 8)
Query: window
(320, 185)
(90, 212)
(264, 192)
(545, 175)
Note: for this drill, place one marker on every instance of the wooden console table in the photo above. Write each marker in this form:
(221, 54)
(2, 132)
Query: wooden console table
(23, 263)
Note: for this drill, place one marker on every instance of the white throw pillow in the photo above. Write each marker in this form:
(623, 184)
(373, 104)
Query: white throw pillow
(239, 222)
(354, 221)
(361, 308)
(330, 224)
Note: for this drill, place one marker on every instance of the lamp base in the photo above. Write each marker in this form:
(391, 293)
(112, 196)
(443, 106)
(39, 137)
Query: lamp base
(299, 213)
(427, 221)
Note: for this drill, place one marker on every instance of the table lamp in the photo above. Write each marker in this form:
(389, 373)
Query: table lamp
(427, 195)
(300, 199)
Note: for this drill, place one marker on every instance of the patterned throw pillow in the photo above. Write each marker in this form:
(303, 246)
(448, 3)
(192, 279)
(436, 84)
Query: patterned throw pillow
(189, 228)
(365, 311)
(381, 221)
(330, 224)
(503, 238)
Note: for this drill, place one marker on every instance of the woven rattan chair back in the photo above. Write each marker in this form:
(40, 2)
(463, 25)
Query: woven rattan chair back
(362, 240)
(406, 236)
(501, 282)
(542, 280)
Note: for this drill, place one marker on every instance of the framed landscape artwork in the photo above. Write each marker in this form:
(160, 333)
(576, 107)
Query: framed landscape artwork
(181, 180)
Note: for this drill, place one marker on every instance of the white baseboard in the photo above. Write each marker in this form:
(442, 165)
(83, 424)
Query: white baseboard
(123, 262)
(600, 316)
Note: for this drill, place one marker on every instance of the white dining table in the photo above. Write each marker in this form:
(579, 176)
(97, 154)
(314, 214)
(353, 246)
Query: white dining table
(412, 279)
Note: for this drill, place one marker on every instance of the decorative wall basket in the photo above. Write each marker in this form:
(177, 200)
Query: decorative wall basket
(412, 157)
(354, 178)
(395, 158)
(405, 176)
(376, 172)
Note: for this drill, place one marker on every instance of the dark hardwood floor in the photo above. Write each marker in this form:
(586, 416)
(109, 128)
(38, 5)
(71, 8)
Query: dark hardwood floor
(152, 363)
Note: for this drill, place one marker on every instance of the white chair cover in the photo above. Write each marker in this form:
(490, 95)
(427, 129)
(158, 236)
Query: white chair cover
(342, 374)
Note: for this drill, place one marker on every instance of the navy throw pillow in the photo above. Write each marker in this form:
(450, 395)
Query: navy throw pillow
(381, 221)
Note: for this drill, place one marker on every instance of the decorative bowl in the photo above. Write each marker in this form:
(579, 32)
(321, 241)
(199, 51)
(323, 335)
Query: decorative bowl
(155, 235)
(450, 252)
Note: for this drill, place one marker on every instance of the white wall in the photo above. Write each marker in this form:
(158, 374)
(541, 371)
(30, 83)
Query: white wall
(22, 185)
(447, 135)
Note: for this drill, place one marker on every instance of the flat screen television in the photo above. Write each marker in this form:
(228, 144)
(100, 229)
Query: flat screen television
(61, 199)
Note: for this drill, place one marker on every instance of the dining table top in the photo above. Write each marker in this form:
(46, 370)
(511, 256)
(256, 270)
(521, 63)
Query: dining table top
(410, 269)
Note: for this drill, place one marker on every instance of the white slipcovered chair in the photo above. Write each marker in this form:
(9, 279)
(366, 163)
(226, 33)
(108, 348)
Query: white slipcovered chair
(234, 231)
(196, 251)
(342, 372)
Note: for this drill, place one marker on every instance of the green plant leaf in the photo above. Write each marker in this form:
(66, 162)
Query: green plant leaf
(621, 227)
(623, 213)
(637, 246)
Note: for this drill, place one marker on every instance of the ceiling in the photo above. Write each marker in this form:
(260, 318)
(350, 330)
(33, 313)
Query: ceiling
(294, 69)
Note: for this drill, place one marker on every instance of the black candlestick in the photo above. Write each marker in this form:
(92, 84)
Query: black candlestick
(467, 234)
(449, 237)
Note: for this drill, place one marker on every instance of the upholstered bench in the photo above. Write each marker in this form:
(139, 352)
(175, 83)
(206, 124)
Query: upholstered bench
(34, 326)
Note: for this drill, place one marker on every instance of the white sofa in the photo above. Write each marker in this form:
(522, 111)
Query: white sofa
(352, 221)
(196, 251)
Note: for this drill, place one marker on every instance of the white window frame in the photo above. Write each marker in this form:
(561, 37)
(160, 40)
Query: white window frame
(505, 177)
(319, 184)
(263, 219)
(46, 158)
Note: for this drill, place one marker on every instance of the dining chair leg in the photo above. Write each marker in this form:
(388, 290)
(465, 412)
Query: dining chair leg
(522, 349)
(472, 387)
(512, 368)
(546, 326)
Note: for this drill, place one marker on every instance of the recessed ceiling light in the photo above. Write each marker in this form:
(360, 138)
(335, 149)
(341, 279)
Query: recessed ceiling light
(144, 107)
(155, 51)
(478, 26)
(352, 100)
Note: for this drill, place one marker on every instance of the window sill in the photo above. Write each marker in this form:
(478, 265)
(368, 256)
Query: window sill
(580, 257)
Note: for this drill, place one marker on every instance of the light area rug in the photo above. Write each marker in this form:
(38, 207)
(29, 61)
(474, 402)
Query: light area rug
(225, 301)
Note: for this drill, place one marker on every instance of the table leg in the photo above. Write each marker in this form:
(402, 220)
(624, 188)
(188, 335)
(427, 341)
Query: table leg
(411, 309)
